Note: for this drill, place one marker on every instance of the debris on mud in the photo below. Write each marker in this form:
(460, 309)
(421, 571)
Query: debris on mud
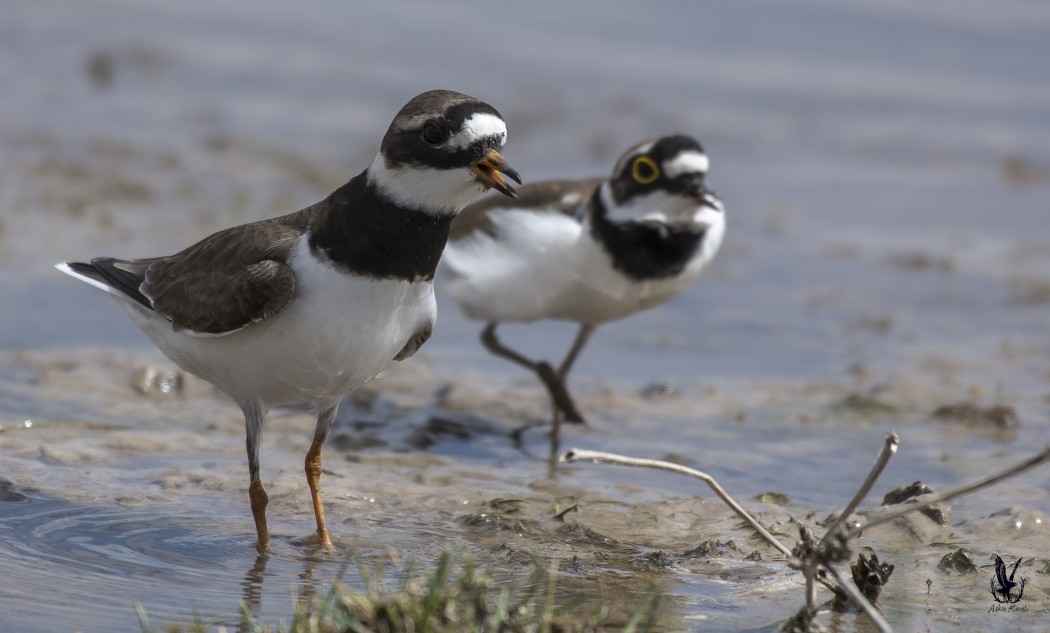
(501, 515)
(864, 404)
(958, 562)
(659, 390)
(151, 381)
(938, 512)
(776, 498)
(870, 575)
(714, 548)
(998, 416)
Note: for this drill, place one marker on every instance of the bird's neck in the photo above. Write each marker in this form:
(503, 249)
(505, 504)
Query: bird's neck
(642, 250)
(366, 233)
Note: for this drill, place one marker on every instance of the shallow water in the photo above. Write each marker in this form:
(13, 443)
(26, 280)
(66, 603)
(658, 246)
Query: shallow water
(886, 171)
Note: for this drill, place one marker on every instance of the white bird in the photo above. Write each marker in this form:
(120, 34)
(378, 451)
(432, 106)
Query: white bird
(588, 251)
(306, 307)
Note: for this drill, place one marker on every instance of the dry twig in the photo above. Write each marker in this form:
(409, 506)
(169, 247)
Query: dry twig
(974, 486)
(816, 560)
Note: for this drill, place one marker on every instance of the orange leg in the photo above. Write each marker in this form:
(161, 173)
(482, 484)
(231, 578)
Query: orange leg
(313, 478)
(253, 419)
(259, 500)
(325, 419)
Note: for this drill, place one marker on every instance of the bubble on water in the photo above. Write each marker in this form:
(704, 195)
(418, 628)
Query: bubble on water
(152, 380)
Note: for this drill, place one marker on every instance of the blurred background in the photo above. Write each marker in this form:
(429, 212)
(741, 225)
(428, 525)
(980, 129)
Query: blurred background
(885, 168)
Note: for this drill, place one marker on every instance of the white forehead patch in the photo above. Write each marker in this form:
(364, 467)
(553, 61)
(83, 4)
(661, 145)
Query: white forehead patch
(478, 126)
(686, 163)
(643, 148)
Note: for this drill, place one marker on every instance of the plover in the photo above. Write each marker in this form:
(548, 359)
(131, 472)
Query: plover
(306, 307)
(589, 251)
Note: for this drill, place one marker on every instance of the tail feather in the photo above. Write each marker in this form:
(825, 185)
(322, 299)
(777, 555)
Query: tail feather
(107, 274)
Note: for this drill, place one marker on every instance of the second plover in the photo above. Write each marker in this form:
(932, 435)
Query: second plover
(588, 251)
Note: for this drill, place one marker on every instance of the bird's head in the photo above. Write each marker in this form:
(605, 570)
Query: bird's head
(441, 152)
(663, 182)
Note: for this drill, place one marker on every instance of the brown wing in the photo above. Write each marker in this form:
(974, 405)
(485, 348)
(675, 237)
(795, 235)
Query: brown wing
(229, 280)
(564, 196)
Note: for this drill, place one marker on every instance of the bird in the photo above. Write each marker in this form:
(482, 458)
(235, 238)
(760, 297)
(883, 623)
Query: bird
(587, 251)
(306, 307)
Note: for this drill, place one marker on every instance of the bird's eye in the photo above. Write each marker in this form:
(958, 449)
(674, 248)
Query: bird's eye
(644, 170)
(432, 133)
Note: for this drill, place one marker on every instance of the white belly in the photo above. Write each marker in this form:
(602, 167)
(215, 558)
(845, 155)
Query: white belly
(599, 293)
(548, 266)
(337, 333)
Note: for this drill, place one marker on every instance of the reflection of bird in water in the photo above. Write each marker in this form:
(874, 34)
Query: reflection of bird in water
(306, 307)
(588, 251)
(251, 593)
(252, 590)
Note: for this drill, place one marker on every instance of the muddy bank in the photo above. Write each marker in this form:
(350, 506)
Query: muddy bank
(115, 476)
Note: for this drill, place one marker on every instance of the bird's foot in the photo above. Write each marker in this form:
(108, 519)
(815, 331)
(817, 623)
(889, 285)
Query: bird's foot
(319, 540)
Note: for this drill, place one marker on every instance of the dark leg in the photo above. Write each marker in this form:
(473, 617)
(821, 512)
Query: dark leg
(492, 344)
(555, 385)
(556, 416)
(563, 373)
(253, 419)
(582, 337)
(325, 418)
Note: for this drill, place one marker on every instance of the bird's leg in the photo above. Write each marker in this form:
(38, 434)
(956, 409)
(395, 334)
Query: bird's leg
(258, 498)
(555, 387)
(313, 472)
(492, 344)
(582, 336)
(253, 419)
(556, 416)
(572, 414)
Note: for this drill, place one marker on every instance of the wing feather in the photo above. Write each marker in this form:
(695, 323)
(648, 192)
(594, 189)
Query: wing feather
(225, 282)
(219, 285)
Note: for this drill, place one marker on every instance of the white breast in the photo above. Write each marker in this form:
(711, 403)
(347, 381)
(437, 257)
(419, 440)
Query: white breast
(547, 266)
(338, 332)
(516, 274)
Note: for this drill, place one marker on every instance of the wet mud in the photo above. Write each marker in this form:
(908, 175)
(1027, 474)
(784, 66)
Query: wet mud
(118, 480)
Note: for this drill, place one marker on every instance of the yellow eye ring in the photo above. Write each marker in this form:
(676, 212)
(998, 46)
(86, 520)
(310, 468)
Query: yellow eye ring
(644, 170)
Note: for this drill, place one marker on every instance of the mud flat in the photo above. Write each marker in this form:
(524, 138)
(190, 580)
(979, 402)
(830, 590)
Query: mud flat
(125, 484)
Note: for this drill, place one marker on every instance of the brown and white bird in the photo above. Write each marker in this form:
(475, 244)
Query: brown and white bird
(306, 307)
(588, 251)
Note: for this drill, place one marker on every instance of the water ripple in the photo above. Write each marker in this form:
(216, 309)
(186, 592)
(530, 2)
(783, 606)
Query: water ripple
(90, 564)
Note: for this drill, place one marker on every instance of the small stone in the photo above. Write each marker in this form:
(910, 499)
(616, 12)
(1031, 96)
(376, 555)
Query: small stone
(958, 562)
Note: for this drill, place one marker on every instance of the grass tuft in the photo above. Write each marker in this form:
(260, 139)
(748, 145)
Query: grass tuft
(453, 597)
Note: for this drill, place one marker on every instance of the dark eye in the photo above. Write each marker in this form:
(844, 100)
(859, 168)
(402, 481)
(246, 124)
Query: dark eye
(644, 170)
(432, 133)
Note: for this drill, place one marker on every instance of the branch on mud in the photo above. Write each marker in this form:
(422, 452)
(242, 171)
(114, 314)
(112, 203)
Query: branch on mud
(817, 559)
(965, 489)
(576, 455)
